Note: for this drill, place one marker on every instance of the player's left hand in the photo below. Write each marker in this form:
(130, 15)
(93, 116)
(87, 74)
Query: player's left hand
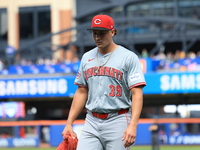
(129, 136)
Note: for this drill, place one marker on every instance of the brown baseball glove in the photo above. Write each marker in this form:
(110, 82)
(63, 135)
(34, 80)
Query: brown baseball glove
(68, 144)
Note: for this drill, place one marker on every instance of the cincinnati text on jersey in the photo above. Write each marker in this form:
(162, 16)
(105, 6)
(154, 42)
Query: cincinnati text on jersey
(104, 71)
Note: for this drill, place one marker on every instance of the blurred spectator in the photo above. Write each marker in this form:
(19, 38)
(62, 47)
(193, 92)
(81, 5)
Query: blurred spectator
(175, 129)
(168, 62)
(182, 55)
(71, 54)
(162, 58)
(198, 54)
(162, 49)
(46, 134)
(192, 55)
(10, 55)
(197, 60)
(22, 133)
(154, 134)
(29, 62)
(40, 61)
(177, 55)
(1, 65)
(47, 61)
(23, 62)
(162, 134)
(192, 65)
(144, 53)
(170, 56)
(55, 61)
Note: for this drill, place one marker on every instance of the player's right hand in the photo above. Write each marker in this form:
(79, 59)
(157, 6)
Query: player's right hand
(68, 130)
(129, 136)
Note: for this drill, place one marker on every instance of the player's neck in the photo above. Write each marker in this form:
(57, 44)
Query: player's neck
(108, 49)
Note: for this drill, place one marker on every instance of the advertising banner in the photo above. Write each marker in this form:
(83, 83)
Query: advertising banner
(167, 83)
(37, 87)
(157, 83)
(12, 110)
(19, 142)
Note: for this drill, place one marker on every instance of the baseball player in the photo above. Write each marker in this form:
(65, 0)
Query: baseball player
(110, 82)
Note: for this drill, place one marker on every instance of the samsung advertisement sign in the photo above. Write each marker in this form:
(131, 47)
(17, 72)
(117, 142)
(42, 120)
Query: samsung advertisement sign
(167, 83)
(37, 87)
(157, 83)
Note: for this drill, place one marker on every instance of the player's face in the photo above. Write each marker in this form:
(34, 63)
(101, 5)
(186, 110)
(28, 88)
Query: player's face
(102, 38)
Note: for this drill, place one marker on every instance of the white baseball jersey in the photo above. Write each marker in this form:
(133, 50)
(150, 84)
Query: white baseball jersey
(109, 88)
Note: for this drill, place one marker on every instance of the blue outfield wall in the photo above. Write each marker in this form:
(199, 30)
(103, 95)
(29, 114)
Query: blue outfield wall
(19, 142)
(16, 141)
(143, 137)
(166, 136)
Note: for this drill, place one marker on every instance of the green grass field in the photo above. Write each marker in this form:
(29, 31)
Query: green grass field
(189, 147)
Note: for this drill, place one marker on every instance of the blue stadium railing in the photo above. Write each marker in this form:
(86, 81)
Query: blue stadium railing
(39, 69)
(185, 64)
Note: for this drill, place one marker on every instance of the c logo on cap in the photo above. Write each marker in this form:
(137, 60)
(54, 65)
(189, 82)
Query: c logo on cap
(97, 21)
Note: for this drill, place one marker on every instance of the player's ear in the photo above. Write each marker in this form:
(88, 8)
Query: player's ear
(114, 32)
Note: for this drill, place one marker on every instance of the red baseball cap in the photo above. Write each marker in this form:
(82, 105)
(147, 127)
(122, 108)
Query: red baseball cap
(102, 22)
